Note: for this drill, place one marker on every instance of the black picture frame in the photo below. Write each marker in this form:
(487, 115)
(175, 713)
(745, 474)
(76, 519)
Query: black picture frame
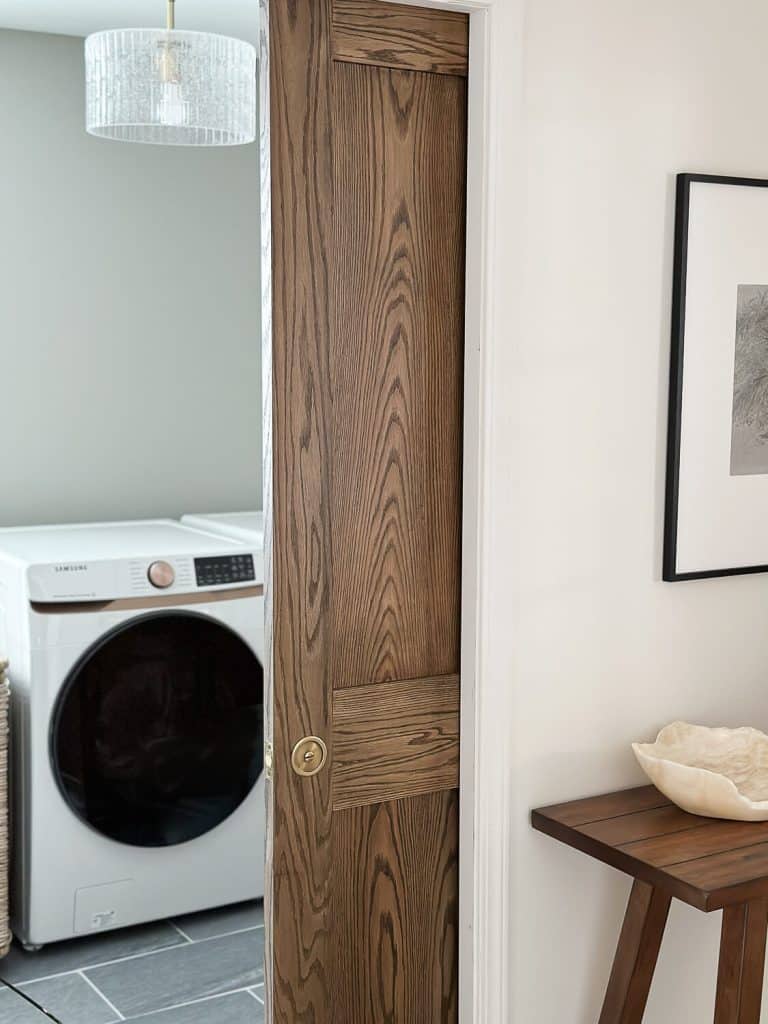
(670, 572)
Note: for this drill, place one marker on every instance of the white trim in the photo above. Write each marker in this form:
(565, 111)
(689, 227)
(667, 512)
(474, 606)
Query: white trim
(473, 918)
(486, 844)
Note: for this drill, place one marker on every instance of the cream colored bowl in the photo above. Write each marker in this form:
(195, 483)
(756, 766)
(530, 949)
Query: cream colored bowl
(720, 773)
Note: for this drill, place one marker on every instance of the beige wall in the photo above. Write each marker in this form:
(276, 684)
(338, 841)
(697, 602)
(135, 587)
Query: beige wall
(596, 651)
(129, 304)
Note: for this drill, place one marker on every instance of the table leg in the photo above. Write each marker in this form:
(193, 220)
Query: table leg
(636, 955)
(742, 960)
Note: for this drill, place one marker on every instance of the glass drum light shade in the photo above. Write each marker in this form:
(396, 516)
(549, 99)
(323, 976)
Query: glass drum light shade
(170, 87)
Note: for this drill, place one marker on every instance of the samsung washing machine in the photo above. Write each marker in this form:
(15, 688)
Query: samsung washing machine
(137, 723)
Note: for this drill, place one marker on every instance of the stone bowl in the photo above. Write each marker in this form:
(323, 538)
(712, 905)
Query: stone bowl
(718, 773)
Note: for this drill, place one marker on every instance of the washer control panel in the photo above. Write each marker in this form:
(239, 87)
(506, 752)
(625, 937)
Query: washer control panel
(113, 579)
(221, 569)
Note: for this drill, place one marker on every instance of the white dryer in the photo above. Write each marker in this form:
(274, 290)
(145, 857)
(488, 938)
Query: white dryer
(137, 723)
(245, 526)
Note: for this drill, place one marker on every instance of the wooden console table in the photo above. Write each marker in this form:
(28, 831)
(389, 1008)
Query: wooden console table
(709, 864)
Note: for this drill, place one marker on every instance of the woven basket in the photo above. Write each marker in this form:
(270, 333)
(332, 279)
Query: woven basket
(5, 927)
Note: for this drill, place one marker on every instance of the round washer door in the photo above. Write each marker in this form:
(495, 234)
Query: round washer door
(157, 736)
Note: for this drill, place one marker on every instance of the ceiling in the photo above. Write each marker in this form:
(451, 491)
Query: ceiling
(79, 17)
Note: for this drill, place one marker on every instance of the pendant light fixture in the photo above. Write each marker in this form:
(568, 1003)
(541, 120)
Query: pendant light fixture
(169, 87)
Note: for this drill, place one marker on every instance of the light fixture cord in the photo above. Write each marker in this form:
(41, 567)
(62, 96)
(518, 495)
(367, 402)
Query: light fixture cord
(171, 15)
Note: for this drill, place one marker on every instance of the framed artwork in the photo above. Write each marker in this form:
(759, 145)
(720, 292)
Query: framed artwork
(717, 457)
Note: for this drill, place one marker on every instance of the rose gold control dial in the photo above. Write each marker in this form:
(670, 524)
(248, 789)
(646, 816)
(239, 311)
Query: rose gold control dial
(161, 575)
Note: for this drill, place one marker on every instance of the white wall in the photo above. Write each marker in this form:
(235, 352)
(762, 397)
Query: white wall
(592, 649)
(129, 306)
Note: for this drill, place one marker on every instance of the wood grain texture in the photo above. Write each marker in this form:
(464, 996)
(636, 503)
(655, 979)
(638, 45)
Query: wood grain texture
(742, 964)
(302, 191)
(394, 740)
(400, 36)
(397, 366)
(397, 900)
(707, 863)
(636, 955)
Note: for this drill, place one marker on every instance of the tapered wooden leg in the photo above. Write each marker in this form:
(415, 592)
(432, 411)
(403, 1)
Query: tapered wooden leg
(742, 960)
(636, 955)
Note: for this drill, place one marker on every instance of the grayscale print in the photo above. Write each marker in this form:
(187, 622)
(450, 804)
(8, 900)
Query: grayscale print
(749, 426)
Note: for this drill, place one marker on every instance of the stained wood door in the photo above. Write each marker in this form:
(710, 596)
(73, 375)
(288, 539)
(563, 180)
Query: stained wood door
(368, 155)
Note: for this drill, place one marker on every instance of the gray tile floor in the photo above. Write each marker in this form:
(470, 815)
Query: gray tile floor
(200, 969)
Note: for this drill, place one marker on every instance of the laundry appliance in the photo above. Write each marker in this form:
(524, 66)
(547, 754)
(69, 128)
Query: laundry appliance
(245, 526)
(136, 656)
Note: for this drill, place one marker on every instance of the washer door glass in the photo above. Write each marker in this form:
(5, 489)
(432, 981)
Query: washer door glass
(158, 732)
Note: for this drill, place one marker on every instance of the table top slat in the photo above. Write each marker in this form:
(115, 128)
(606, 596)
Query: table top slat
(610, 805)
(661, 821)
(722, 875)
(713, 837)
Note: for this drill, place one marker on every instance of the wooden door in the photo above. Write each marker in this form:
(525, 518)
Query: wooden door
(368, 155)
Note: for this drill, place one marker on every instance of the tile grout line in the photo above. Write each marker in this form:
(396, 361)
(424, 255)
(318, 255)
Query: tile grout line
(88, 967)
(254, 993)
(219, 935)
(132, 956)
(225, 935)
(181, 933)
(189, 1002)
(98, 992)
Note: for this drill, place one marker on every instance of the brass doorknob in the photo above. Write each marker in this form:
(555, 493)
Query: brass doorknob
(309, 756)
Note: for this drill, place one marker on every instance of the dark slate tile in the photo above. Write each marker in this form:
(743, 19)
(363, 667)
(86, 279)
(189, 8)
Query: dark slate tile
(210, 923)
(70, 999)
(237, 1008)
(61, 957)
(181, 975)
(14, 1009)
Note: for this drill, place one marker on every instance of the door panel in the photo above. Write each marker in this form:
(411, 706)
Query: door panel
(396, 900)
(396, 366)
(393, 740)
(400, 36)
(368, 199)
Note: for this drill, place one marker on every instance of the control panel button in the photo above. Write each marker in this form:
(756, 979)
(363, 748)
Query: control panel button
(161, 575)
(223, 570)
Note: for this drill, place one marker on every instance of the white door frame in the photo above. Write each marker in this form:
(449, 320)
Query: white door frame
(485, 947)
